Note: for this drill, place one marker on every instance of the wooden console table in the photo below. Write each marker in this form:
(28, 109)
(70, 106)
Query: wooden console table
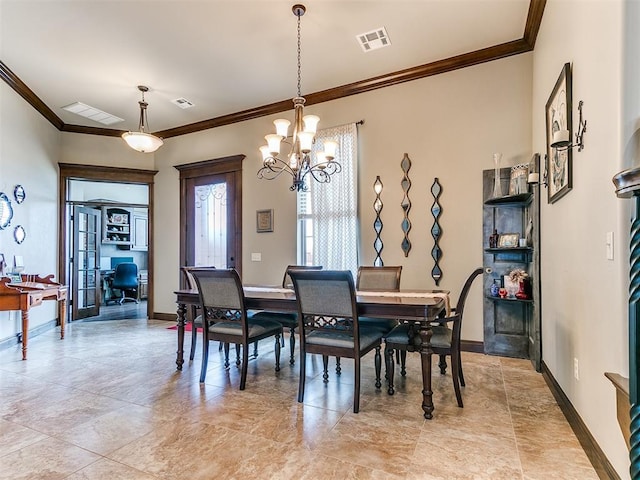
(31, 292)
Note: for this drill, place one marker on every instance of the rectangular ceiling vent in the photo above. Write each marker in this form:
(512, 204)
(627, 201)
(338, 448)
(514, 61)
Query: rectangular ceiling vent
(374, 40)
(92, 113)
(182, 103)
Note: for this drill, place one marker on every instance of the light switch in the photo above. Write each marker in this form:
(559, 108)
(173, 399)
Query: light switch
(609, 244)
(256, 257)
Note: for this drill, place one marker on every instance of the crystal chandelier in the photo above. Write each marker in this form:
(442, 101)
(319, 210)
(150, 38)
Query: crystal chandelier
(298, 162)
(142, 141)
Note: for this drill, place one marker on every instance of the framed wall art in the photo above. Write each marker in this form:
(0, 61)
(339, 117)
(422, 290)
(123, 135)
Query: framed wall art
(264, 221)
(558, 117)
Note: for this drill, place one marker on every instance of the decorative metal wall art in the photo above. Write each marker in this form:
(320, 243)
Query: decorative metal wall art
(19, 234)
(377, 223)
(405, 164)
(19, 194)
(436, 231)
(6, 211)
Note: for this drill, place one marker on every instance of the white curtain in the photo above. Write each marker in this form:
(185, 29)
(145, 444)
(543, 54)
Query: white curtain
(332, 208)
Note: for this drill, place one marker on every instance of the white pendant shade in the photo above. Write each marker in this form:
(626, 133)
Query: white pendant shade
(306, 141)
(282, 127)
(330, 148)
(273, 141)
(311, 123)
(142, 142)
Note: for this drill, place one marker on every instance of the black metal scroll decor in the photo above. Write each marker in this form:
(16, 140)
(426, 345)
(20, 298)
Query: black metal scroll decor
(405, 164)
(377, 223)
(436, 231)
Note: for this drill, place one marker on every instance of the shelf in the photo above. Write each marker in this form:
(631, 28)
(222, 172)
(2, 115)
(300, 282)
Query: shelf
(519, 200)
(509, 250)
(508, 300)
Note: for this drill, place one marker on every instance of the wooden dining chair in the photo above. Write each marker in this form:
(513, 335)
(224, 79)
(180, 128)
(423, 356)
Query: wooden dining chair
(445, 340)
(328, 324)
(193, 316)
(287, 320)
(379, 279)
(225, 318)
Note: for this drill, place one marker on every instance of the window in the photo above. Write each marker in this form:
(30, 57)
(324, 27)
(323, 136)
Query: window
(328, 212)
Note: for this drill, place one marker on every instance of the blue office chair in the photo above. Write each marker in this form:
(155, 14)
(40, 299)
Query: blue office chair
(125, 279)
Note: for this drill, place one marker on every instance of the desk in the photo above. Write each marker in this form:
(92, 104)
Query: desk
(31, 292)
(417, 306)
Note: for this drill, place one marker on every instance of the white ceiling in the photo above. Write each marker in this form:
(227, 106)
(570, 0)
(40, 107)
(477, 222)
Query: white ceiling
(226, 56)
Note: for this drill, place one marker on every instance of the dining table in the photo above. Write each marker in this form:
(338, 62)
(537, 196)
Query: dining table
(420, 307)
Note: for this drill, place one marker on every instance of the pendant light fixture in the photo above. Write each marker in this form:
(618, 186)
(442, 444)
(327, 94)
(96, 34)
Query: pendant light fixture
(141, 140)
(298, 161)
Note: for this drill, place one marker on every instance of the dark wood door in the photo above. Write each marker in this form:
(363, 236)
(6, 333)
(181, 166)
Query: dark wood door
(86, 263)
(210, 226)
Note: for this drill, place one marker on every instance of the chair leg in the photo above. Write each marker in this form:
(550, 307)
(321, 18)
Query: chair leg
(278, 352)
(378, 363)
(245, 364)
(220, 345)
(443, 364)
(388, 355)
(338, 367)
(238, 354)
(194, 339)
(460, 374)
(303, 362)
(356, 388)
(205, 357)
(255, 350)
(454, 375)
(292, 345)
(226, 355)
(403, 363)
(325, 363)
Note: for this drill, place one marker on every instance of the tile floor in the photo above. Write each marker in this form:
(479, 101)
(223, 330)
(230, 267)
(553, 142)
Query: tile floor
(107, 403)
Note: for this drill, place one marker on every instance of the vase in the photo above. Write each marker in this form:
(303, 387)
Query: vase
(494, 289)
(522, 292)
(497, 187)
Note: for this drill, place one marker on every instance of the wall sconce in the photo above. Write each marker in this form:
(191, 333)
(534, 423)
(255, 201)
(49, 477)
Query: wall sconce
(561, 138)
(534, 172)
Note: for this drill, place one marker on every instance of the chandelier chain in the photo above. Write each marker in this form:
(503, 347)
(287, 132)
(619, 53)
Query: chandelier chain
(299, 61)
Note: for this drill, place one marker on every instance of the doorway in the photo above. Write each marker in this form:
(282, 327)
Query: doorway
(85, 237)
(211, 213)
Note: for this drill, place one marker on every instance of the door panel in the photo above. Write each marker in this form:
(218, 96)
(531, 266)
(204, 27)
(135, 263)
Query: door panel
(211, 221)
(86, 263)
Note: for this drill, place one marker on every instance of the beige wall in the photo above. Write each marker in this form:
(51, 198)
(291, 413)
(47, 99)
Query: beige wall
(583, 293)
(450, 125)
(29, 151)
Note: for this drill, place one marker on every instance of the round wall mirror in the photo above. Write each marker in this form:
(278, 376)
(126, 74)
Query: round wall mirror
(19, 234)
(6, 211)
(19, 194)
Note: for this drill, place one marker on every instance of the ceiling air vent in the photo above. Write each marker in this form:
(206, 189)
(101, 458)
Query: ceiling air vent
(374, 39)
(182, 103)
(92, 113)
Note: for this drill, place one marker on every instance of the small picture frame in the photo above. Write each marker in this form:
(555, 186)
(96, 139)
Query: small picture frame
(264, 221)
(119, 218)
(508, 240)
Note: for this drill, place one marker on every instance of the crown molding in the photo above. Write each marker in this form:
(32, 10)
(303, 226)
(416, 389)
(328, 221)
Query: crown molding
(489, 54)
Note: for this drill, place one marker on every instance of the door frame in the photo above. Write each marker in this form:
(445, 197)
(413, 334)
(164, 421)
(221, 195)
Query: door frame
(96, 173)
(231, 165)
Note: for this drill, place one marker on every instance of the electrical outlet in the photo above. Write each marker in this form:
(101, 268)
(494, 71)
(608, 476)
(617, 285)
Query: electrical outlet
(256, 257)
(576, 369)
